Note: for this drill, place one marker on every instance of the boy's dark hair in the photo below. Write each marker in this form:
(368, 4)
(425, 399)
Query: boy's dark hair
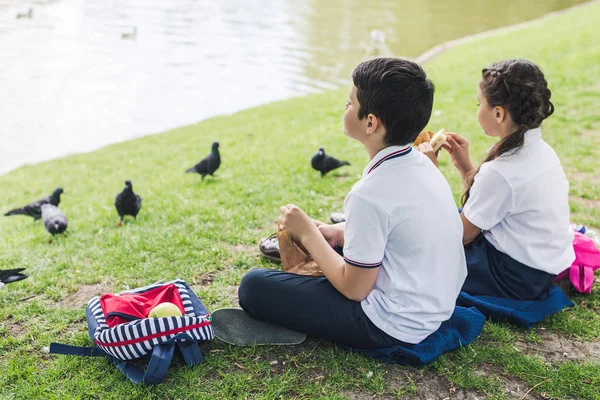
(398, 92)
(521, 88)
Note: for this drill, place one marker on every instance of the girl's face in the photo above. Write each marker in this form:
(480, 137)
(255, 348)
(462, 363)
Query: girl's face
(486, 116)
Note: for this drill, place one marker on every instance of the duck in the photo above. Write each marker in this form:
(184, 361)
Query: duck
(130, 35)
(27, 15)
(378, 46)
(378, 37)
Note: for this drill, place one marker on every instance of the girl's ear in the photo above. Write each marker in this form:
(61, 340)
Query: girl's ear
(372, 124)
(499, 114)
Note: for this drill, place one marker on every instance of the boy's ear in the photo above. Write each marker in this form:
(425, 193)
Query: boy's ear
(372, 124)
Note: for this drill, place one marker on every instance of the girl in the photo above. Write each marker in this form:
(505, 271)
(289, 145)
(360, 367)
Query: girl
(515, 215)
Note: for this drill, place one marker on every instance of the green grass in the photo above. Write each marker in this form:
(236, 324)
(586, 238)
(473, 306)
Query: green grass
(206, 232)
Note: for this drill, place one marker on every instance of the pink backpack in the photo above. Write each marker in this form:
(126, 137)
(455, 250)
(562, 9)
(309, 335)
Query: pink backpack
(587, 260)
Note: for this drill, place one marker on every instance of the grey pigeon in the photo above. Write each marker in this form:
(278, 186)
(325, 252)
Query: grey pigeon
(325, 163)
(127, 202)
(55, 221)
(12, 275)
(209, 164)
(34, 209)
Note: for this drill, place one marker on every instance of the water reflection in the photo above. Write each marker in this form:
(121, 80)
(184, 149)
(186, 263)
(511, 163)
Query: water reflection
(70, 82)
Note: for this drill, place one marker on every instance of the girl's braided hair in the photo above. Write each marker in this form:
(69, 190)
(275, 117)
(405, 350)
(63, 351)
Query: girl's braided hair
(520, 88)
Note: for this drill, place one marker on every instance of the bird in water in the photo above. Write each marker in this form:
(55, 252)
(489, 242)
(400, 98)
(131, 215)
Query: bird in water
(209, 164)
(378, 46)
(127, 202)
(130, 35)
(27, 15)
(34, 209)
(325, 163)
(54, 220)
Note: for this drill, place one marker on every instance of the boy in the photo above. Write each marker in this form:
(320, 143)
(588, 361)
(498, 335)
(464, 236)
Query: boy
(403, 262)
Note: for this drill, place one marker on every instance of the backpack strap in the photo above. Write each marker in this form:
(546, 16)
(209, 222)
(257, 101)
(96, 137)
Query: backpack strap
(157, 367)
(191, 353)
(91, 351)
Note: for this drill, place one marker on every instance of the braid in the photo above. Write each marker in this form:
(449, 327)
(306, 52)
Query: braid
(520, 87)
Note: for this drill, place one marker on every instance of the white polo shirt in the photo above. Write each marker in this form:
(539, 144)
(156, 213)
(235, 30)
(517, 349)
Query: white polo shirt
(521, 202)
(401, 216)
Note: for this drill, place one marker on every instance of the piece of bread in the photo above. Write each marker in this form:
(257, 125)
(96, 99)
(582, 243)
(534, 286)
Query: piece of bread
(438, 139)
(309, 268)
(423, 137)
(294, 257)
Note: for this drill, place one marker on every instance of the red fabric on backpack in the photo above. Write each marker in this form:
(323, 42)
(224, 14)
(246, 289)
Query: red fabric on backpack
(587, 260)
(126, 307)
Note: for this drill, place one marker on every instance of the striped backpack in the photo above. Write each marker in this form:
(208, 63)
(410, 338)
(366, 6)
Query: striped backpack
(120, 330)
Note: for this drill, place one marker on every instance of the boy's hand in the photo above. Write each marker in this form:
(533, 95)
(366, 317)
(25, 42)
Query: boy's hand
(297, 223)
(334, 234)
(458, 147)
(426, 149)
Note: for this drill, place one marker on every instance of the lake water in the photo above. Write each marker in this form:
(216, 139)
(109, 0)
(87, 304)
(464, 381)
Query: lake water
(70, 82)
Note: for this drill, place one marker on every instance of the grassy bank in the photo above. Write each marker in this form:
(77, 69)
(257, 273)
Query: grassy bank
(206, 232)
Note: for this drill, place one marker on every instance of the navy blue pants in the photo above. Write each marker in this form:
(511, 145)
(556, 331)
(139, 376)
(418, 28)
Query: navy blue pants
(312, 306)
(493, 273)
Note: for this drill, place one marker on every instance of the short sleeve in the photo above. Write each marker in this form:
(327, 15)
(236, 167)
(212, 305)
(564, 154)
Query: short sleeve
(365, 232)
(490, 199)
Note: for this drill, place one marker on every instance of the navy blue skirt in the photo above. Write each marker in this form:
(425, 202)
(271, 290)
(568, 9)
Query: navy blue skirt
(493, 273)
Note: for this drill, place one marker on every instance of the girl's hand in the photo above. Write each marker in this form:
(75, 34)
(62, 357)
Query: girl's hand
(426, 149)
(458, 147)
(334, 234)
(297, 223)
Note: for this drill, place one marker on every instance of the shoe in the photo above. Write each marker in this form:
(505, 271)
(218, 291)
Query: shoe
(337, 217)
(269, 247)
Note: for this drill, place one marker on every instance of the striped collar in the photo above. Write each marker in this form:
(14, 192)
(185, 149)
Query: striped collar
(384, 155)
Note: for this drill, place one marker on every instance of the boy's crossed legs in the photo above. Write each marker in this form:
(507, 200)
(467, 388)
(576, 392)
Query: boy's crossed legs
(312, 306)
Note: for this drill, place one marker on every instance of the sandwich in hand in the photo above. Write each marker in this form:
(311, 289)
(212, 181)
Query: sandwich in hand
(438, 139)
(435, 140)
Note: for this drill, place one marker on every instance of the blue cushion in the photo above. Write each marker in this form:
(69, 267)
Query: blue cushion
(519, 312)
(462, 328)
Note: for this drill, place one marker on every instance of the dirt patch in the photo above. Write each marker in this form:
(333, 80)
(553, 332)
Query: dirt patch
(366, 396)
(14, 328)
(428, 386)
(204, 279)
(84, 294)
(575, 175)
(555, 348)
(514, 387)
(592, 133)
(588, 203)
(431, 386)
(250, 249)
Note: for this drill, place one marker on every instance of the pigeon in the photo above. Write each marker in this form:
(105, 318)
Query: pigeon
(11, 275)
(55, 221)
(27, 15)
(209, 164)
(324, 163)
(34, 209)
(127, 202)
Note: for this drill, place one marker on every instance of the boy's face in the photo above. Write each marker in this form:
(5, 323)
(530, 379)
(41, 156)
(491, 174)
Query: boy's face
(354, 127)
